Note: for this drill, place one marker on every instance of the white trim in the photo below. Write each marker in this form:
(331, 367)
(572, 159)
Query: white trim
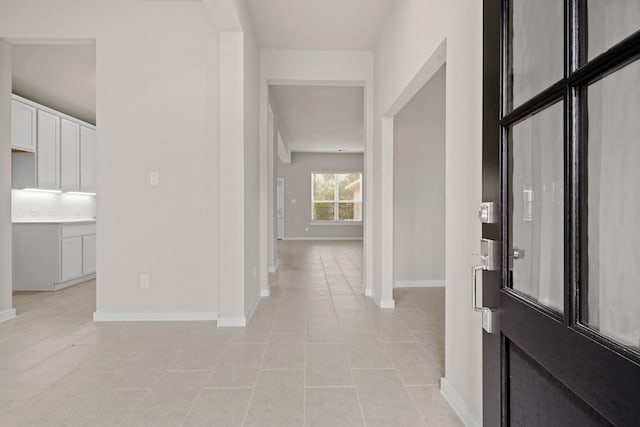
(7, 315)
(340, 223)
(458, 404)
(265, 292)
(273, 269)
(419, 284)
(322, 238)
(252, 310)
(225, 322)
(368, 292)
(155, 317)
(384, 303)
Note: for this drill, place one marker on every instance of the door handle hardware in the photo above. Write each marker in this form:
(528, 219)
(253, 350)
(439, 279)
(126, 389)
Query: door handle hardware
(489, 317)
(517, 253)
(487, 213)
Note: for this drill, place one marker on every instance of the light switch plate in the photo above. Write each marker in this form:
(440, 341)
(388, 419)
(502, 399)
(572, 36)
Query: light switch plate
(154, 178)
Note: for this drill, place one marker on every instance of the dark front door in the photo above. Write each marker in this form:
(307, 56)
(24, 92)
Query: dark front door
(561, 162)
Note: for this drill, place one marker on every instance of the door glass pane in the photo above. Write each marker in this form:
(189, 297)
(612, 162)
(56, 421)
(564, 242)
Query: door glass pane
(611, 21)
(537, 48)
(537, 203)
(613, 294)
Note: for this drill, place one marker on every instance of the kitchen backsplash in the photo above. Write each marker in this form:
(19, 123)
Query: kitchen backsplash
(35, 205)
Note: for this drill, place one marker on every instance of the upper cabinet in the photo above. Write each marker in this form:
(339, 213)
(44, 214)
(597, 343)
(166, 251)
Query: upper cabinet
(69, 156)
(87, 159)
(23, 126)
(48, 152)
(51, 150)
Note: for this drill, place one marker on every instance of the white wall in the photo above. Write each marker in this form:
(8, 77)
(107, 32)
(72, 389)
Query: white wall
(6, 286)
(157, 103)
(252, 167)
(297, 177)
(419, 187)
(35, 206)
(413, 33)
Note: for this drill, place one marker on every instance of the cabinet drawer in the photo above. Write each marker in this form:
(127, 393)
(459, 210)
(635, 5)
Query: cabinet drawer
(78, 230)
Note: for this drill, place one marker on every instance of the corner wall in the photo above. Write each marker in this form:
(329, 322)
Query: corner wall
(419, 187)
(413, 33)
(6, 270)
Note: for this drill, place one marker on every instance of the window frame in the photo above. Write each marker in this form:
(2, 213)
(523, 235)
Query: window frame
(336, 199)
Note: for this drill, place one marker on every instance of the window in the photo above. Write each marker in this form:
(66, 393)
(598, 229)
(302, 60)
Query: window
(336, 197)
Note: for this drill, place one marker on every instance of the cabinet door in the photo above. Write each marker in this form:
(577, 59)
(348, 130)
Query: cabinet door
(88, 255)
(23, 126)
(71, 250)
(69, 155)
(48, 150)
(87, 159)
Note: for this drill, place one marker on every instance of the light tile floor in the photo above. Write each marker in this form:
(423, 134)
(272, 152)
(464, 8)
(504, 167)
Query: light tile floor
(316, 353)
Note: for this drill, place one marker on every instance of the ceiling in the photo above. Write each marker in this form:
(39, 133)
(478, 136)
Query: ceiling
(62, 77)
(318, 24)
(320, 118)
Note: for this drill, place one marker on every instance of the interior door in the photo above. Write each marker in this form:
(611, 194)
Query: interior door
(561, 156)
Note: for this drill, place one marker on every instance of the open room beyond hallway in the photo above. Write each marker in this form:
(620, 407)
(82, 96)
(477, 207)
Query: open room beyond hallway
(317, 352)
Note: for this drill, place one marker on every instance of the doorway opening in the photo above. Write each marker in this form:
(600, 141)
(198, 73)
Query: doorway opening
(53, 185)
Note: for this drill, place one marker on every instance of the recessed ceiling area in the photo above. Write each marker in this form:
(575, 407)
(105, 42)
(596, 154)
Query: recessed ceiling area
(318, 24)
(320, 119)
(62, 77)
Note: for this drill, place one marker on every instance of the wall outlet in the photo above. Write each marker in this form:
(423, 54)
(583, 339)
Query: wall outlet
(144, 281)
(154, 178)
(306, 229)
(35, 212)
(294, 201)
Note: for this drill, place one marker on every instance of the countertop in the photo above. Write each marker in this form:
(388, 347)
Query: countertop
(55, 221)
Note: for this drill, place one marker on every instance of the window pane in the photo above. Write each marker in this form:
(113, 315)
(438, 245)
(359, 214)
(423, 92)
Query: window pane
(537, 201)
(323, 186)
(350, 186)
(537, 48)
(350, 211)
(613, 288)
(611, 22)
(323, 212)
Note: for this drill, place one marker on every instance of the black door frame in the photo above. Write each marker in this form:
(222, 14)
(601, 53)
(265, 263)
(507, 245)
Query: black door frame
(604, 374)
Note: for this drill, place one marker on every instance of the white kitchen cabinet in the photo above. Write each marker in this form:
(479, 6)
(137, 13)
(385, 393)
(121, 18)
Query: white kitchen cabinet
(51, 150)
(48, 152)
(71, 258)
(88, 255)
(69, 155)
(87, 159)
(48, 256)
(23, 126)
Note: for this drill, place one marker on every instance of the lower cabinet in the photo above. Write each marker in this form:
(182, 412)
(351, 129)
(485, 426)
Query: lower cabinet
(52, 256)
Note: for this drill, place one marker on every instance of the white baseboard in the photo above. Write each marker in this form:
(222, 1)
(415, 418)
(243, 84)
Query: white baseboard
(274, 268)
(154, 317)
(419, 284)
(384, 303)
(322, 238)
(252, 310)
(227, 322)
(265, 292)
(7, 315)
(458, 404)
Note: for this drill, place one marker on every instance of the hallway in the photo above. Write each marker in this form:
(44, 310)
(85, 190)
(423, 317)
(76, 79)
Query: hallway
(317, 352)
